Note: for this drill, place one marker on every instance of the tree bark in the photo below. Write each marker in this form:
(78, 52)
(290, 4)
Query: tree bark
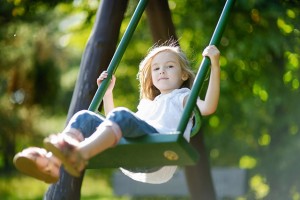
(160, 21)
(97, 55)
(199, 177)
(98, 52)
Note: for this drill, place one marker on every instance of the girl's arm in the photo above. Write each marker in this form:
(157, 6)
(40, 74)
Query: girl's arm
(210, 103)
(108, 101)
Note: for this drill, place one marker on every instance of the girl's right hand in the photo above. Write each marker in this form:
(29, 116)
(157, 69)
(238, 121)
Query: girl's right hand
(103, 76)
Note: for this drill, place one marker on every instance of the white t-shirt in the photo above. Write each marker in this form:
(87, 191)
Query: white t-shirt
(164, 114)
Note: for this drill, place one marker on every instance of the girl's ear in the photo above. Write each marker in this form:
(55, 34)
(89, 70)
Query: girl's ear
(184, 76)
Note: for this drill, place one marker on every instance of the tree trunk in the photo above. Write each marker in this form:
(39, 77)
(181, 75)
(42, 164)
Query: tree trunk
(199, 177)
(160, 21)
(98, 53)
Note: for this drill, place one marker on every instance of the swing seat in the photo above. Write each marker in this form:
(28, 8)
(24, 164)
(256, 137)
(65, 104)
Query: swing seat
(154, 150)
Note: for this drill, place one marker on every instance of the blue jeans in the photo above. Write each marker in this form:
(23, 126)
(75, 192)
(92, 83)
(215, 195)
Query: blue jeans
(131, 126)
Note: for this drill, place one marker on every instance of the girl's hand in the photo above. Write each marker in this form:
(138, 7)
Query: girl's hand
(213, 53)
(111, 86)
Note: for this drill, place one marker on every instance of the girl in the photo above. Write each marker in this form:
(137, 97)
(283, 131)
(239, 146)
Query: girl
(165, 79)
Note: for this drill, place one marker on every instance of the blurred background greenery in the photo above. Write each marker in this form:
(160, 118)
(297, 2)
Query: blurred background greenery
(257, 123)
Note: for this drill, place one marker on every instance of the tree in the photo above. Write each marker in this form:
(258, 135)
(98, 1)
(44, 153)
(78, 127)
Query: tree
(97, 55)
(26, 60)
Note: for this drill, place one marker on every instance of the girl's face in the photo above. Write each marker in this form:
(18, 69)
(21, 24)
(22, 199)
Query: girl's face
(166, 72)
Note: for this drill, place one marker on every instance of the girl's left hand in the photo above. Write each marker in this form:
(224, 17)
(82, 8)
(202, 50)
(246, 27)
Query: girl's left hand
(213, 53)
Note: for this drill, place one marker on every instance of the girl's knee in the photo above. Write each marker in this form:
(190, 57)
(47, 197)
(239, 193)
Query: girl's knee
(84, 114)
(85, 121)
(120, 109)
(120, 112)
(130, 125)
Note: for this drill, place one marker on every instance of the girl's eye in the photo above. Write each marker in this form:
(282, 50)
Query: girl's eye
(170, 66)
(156, 68)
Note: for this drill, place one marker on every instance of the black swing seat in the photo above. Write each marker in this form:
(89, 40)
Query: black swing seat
(153, 150)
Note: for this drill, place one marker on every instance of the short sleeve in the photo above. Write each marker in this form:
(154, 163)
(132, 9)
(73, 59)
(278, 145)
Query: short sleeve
(185, 93)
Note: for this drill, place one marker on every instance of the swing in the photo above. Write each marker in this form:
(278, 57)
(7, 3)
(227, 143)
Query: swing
(157, 149)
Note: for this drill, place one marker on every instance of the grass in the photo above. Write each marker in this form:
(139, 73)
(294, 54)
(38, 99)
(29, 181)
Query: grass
(17, 187)
(96, 186)
(21, 187)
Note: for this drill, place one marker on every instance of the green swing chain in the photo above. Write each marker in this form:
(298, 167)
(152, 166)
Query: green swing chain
(113, 65)
(203, 69)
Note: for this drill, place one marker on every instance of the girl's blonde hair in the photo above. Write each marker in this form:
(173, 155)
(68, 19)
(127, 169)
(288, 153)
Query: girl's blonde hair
(147, 89)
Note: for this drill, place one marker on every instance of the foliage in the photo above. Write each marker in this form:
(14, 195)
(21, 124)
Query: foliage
(257, 123)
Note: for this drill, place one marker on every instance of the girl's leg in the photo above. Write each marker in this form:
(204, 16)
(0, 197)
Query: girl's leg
(120, 122)
(82, 125)
(130, 125)
(106, 136)
(64, 145)
(43, 165)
